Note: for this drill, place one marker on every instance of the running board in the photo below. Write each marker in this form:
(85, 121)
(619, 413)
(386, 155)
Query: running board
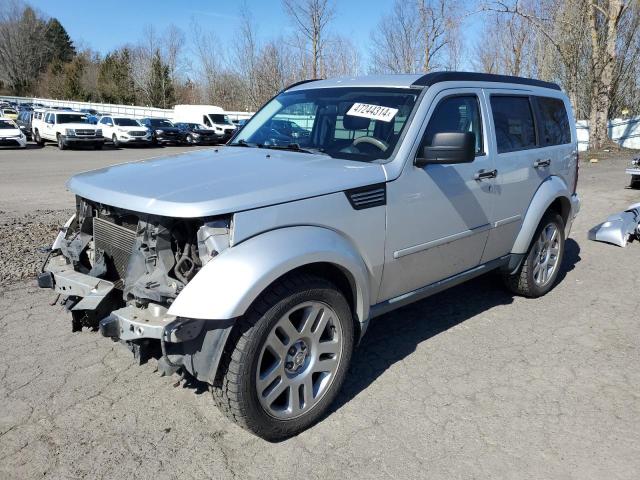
(436, 287)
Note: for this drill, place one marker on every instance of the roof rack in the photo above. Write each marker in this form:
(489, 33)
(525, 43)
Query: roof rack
(437, 77)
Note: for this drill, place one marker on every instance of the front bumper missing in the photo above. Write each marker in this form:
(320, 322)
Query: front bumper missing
(132, 323)
(620, 228)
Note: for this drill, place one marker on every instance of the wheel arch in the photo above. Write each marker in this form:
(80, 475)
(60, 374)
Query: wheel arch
(553, 194)
(227, 286)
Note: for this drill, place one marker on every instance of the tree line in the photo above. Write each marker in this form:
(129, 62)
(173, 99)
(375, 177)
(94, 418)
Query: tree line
(590, 47)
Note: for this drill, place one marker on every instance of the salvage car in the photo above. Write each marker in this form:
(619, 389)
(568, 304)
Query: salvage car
(122, 130)
(66, 128)
(163, 131)
(11, 135)
(197, 134)
(257, 267)
(634, 171)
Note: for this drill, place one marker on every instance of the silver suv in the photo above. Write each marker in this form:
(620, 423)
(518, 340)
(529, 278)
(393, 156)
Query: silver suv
(256, 267)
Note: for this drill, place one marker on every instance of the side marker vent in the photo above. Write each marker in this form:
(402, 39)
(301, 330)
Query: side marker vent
(367, 197)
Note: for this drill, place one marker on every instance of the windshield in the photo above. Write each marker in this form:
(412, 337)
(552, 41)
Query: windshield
(160, 122)
(9, 111)
(220, 118)
(71, 118)
(7, 125)
(348, 122)
(126, 122)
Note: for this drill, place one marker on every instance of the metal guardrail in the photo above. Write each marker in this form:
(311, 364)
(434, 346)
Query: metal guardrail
(626, 132)
(132, 110)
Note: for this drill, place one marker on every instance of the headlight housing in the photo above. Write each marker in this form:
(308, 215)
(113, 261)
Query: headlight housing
(160, 131)
(99, 132)
(69, 132)
(213, 238)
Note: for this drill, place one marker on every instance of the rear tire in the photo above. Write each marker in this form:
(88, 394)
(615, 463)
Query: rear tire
(539, 271)
(286, 358)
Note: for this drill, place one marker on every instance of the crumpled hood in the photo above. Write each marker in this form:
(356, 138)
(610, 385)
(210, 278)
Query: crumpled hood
(226, 180)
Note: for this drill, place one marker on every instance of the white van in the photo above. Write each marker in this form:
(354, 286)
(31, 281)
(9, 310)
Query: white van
(209, 116)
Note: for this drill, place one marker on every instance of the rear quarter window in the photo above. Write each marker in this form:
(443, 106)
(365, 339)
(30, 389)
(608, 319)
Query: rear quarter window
(553, 122)
(514, 124)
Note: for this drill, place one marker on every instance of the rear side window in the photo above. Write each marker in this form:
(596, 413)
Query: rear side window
(456, 114)
(553, 122)
(513, 119)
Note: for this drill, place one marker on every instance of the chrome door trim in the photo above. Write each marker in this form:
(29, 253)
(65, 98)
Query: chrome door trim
(440, 241)
(507, 221)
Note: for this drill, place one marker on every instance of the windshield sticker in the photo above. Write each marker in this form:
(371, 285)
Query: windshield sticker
(374, 112)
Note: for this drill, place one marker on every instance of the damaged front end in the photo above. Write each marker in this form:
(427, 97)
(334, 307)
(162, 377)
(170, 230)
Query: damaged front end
(619, 229)
(120, 271)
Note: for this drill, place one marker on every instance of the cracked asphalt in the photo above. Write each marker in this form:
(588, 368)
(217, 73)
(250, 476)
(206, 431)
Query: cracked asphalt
(471, 383)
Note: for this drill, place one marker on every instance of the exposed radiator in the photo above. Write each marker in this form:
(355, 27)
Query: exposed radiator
(116, 242)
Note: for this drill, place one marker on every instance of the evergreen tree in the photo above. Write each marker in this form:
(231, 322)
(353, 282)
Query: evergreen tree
(161, 88)
(115, 83)
(59, 42)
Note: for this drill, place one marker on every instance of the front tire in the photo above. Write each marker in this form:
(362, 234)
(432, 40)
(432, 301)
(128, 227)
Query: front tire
(287, 358)
(116, 143)
(61, 144)
(37, 139)
(538, 273)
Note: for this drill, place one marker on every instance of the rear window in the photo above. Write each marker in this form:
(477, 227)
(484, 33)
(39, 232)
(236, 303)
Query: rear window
(553, 124)
(513, 119)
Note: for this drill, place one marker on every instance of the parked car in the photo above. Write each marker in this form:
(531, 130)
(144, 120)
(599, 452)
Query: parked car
(9, 112)
(197, 134)
(66, 129)
(89, 111)
(10, 134)
(257, 267)
(24, 122)
(208, 115)
(121, 130)
(289, 129)
(163, 131)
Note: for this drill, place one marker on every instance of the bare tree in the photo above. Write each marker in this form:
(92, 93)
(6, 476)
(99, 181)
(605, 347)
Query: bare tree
(586, 37)
(312, 18)
(414, 37)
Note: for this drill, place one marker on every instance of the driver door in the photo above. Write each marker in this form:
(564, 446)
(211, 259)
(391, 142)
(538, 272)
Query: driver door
(438, 216)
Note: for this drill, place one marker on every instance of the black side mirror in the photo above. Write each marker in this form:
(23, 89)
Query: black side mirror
(449, 147)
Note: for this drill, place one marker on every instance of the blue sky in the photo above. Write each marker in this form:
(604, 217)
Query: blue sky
(106, 25)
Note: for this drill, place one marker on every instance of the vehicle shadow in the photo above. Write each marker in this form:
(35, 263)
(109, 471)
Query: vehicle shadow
(392, 337)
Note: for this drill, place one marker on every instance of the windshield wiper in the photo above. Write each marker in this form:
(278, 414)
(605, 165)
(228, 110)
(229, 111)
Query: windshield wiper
(243, 143)
(294, 147)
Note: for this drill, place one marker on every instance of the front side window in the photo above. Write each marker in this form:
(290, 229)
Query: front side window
(353, 123)
(513, 120)
(460, 113)
(206, 120)
(553, 125)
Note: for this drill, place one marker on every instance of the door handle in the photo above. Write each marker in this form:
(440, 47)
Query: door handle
(542, 163)
(484, 174)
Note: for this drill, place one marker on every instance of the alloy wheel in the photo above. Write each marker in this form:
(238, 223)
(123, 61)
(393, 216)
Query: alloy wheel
(299, 360)
(546, 252)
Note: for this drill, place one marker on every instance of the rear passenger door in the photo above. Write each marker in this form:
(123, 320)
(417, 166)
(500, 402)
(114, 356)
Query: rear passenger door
(521, 164)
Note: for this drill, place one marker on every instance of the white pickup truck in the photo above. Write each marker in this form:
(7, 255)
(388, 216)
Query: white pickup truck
(66, 128)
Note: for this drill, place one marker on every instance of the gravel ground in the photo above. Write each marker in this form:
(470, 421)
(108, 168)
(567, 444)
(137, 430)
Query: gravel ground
(471, 383)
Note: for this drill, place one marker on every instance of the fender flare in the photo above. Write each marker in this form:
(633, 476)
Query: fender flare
(226, 286)
(550, 190)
